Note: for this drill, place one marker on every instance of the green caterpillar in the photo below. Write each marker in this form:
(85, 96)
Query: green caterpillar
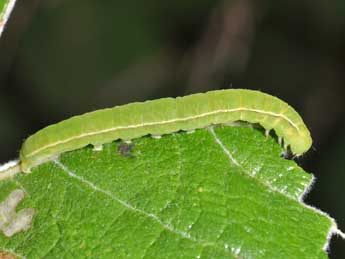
(164, 116)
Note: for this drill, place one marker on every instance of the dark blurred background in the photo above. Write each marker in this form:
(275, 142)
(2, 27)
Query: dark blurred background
(60, 58)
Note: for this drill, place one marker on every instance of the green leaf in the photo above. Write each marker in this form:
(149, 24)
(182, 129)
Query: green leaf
(222, 192)
(6, 7)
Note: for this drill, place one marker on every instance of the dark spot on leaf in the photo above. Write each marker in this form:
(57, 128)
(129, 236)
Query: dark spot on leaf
(125, 149)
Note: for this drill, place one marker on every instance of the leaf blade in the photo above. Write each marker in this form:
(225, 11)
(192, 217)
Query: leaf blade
(180, 196)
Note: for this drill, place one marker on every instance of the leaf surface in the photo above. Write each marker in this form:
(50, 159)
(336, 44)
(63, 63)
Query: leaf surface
(222, 192)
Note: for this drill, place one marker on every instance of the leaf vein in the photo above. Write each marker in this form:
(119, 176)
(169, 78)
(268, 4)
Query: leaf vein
(235, 162)
(125, 204)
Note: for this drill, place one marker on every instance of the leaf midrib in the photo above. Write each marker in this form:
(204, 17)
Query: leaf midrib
(202, 243)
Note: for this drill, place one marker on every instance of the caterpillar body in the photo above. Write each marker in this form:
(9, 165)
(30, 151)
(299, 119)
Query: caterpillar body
(164, 116)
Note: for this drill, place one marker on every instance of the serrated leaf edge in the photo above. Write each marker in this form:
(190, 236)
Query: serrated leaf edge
(334, 230)
(11, 168)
